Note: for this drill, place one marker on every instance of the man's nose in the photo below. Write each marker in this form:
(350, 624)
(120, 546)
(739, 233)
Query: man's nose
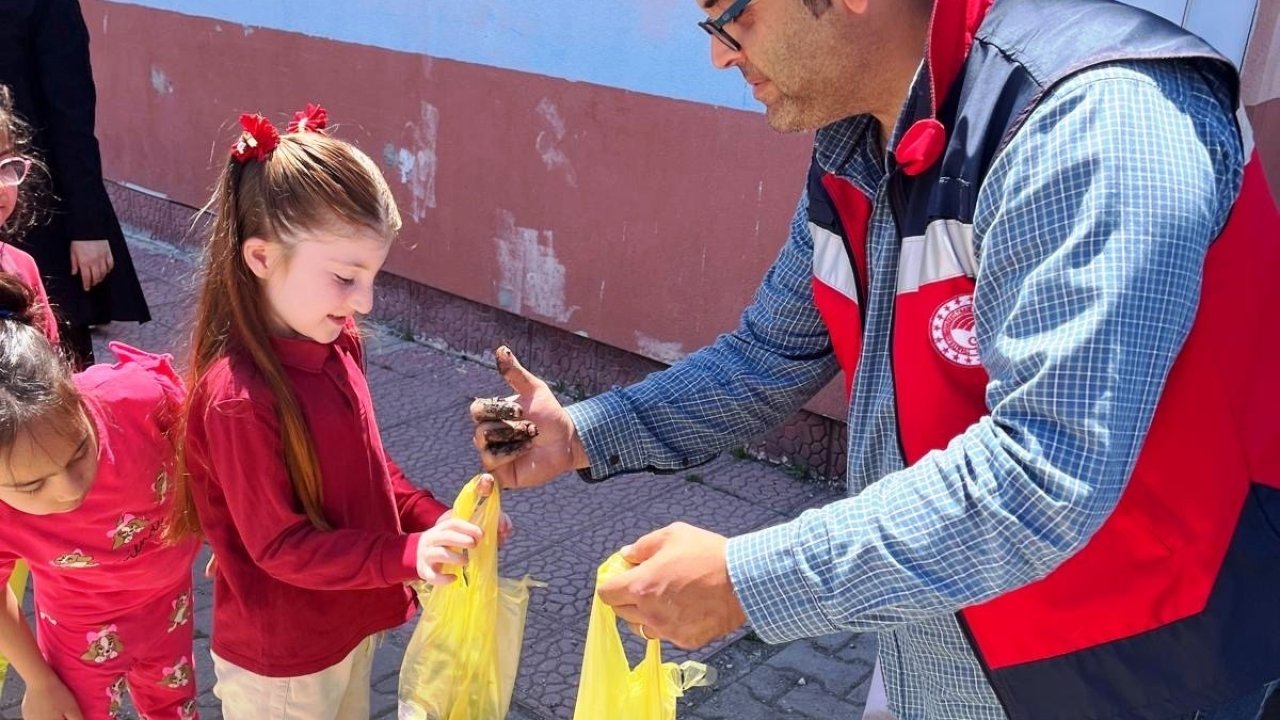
(724, 57)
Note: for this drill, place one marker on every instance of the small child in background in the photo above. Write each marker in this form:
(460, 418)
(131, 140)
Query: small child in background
(17, 165)
(315, 530)
(85, 467)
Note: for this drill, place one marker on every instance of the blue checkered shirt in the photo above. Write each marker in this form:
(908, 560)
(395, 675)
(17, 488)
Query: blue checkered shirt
(1091, 229)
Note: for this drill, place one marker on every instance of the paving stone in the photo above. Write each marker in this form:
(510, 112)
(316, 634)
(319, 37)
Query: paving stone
(178, 316)
(831, 643)
(735, 702)
(712, 509)
(806, 660)
(768, 683)
(812, 701)
(547, 682)
(570, 582)
(764, 485)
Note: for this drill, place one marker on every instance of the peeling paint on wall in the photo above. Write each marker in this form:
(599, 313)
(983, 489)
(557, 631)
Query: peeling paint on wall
(667, 352)
(549, 139)
(416, 161)
(532, 278)
(160, 81)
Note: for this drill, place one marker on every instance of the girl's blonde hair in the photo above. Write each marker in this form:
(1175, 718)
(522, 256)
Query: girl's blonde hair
(309, 181)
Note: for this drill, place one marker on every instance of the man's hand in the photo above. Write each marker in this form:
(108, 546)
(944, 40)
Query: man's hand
(679, 590)
(527, 439)
(92, 261)
(49, 699)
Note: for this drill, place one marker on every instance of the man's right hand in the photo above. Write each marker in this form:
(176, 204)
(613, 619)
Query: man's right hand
(527, 439)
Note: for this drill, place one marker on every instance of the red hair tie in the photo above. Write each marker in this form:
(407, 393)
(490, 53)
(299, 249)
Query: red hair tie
(314, 119)
(257, 141)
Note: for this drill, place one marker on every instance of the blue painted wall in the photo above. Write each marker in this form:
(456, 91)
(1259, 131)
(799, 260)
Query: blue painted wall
(647, 46)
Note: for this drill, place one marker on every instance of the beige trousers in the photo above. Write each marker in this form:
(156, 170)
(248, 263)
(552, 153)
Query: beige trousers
(339, 692)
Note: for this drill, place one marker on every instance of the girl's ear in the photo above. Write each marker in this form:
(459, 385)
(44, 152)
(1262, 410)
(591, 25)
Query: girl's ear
(260, 255)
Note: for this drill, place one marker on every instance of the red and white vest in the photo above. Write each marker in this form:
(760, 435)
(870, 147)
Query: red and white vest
(1174, 604)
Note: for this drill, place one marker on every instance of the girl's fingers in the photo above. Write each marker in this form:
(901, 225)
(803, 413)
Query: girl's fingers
(436, 557)
(454, 540)
(437, 579)
(456, 526)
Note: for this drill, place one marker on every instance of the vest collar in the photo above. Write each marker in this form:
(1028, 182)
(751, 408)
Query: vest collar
(951, 30)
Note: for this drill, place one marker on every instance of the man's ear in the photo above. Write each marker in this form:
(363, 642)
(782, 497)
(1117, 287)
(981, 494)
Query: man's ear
(855, 6)
(260, 255)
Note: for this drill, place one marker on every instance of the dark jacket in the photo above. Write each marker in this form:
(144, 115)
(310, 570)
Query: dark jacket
(44, 58)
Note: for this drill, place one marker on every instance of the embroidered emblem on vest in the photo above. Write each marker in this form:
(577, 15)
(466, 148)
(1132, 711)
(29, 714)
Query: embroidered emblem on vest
(953, 332)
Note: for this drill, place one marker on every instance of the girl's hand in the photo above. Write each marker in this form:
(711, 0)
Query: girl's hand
(50, 700)
(444, 545)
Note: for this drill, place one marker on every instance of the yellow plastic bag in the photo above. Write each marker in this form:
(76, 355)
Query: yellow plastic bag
(610, 688)
(462, 659)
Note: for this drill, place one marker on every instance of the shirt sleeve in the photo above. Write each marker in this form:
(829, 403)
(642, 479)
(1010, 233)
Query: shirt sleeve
(1095, 223)
(7, 562)
(745, 383)
(21, 263)
(419, 509)
(242, 455)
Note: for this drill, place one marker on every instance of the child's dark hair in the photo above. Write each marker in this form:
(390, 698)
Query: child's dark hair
(308, 181)
(16, 139)
(35, 379)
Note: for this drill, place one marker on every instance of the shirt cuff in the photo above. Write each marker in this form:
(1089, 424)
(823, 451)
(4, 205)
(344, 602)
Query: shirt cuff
(769, 580)
(605, 425)
(400, 559)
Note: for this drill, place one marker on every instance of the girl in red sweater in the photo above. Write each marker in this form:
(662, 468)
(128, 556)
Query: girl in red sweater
(85, 463)
(316, 531)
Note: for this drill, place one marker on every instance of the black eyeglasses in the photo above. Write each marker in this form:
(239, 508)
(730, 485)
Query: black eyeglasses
(13, 170)
(715, 28)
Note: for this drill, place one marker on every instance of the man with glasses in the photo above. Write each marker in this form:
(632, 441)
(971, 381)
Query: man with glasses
(1039, 245)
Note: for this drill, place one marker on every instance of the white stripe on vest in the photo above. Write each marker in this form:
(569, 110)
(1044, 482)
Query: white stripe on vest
(944, 251)
(1246, 133)
(831, 264)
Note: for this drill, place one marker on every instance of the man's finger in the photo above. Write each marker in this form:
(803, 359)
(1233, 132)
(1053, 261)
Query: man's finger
(644, 631)
(622, 592)
(644, 548)
(514, 373)
(495, 455)
(507, 432)
(488, 409)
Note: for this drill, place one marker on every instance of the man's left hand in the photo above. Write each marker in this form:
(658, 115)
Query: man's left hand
(679, 590)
